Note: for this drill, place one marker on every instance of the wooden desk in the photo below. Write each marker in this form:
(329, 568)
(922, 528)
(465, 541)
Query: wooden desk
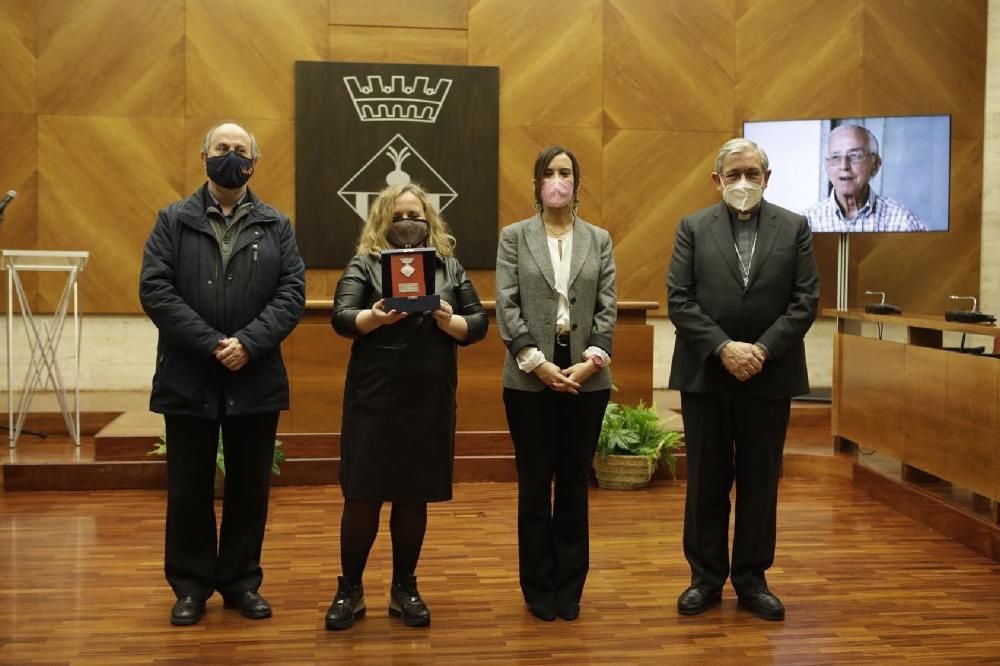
(316, 359)
(936, 411)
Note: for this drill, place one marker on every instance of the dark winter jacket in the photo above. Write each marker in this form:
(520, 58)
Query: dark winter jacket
(258, 299)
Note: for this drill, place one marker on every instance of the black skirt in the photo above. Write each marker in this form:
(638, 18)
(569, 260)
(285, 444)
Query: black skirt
(398, 439)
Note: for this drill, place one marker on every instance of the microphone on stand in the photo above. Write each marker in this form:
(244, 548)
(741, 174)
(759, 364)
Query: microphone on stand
(10, 196)
(5, 201)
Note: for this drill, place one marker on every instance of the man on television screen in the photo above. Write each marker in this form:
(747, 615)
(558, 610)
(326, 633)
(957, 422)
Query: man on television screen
(851, 160)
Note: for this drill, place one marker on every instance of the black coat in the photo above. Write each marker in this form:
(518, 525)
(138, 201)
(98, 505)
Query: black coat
(398, 434)
(708, 304)
(258, 300)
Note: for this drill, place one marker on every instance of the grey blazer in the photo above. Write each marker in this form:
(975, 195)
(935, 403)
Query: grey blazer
(527, 300)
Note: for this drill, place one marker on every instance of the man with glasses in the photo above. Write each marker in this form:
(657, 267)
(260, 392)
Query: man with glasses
(852, 160)
(742, 292)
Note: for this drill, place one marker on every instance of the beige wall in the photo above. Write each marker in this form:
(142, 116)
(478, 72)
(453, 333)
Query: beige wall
(990, 282)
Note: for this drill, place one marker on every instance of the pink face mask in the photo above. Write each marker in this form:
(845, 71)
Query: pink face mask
(557, 192)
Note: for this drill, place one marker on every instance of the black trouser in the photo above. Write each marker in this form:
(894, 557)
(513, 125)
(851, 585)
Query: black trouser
(741, 438)
(554, 435)
(195, 563)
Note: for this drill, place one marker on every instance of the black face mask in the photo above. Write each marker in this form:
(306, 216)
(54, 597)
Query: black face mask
(407, 232)
(230, 171)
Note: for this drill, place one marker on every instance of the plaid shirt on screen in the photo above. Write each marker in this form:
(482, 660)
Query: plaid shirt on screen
(878, 214)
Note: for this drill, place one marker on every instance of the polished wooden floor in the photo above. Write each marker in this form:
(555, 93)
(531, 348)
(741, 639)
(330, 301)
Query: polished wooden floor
(81, 583)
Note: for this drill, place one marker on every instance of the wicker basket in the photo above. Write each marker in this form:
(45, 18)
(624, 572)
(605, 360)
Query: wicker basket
(622, 472)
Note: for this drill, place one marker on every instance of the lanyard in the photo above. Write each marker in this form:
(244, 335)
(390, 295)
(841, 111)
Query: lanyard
(745, 267)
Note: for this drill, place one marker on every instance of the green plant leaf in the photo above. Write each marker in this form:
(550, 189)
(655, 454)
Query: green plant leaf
(160, 449)
(638, 431)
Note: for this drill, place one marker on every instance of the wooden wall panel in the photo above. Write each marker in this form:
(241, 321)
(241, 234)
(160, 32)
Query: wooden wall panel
(951, 428)
(317, 360)
(18, 166)
(273, 179)
(971, 414)
(349, 43)
(871, 373)
(240, 55)
(572, 71)
(519, 147)
(548, 77)
(926, 56)
(401, 13)
(673, 50)
(798, 59)
(641, 213)
(926, 398)
(111, 57)
(825, 249)
(19, 172)
(18, 23)
(101, 183)
(320, 284)
(903, 77)
(919, 272)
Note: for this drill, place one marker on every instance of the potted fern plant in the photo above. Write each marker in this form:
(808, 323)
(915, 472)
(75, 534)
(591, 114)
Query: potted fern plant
(633, 443)
(160, 449)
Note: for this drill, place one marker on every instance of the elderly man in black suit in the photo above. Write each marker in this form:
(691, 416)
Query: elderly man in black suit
(742, 292)
(223, 282)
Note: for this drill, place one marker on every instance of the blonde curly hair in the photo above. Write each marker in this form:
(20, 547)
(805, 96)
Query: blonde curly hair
(373, 235)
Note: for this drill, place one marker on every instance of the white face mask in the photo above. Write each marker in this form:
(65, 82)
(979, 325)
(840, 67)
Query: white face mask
(742, 196)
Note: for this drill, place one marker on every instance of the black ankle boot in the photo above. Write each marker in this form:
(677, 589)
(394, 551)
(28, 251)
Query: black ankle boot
(405, 603)
(348, 604)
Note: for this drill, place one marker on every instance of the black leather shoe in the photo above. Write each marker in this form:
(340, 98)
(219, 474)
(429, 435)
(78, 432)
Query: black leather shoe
(697, 600)
(764, 605)
(568, 612)
(542, 612)
(250, 605)
(186, 611)
(405, 603)
(348, 604)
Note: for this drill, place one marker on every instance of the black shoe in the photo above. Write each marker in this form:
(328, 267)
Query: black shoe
(348, 604)
(186, 611)
(696, 600)
(568, 612)
(542, 612)
(764, 605)
(250, 604)
(405, 603)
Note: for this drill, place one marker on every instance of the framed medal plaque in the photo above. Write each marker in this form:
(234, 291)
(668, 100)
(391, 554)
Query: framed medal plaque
(408, 280)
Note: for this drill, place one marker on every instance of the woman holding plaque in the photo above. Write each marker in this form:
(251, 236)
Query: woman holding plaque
(398, 435)
(556, 310)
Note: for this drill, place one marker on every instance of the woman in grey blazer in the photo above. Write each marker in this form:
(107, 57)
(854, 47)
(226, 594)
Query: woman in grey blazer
(556, 310)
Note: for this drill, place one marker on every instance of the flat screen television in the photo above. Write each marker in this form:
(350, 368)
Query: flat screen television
(872, 174)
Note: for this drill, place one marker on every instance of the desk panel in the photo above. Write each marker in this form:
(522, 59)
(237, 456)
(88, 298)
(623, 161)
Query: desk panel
(870, 393)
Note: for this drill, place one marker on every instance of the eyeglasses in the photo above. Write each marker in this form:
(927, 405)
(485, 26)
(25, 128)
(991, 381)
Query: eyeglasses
(753, 175)
(853, 156)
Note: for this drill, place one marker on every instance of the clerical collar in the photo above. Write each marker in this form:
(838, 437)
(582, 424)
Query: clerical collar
(736, 217)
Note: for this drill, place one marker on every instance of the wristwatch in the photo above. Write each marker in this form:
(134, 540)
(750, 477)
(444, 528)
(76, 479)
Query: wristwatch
(597, 360)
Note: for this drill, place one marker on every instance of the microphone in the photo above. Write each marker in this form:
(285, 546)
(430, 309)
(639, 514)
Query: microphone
(7, 199)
